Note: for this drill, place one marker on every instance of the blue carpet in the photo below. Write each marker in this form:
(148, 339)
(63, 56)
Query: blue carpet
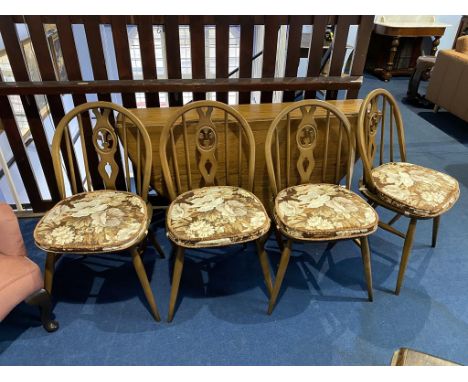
(322, 317)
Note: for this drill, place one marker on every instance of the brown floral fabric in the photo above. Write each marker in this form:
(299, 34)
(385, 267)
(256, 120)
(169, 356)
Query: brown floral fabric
(216, 216)
(93, 222)
(419, 190)
(323, 212)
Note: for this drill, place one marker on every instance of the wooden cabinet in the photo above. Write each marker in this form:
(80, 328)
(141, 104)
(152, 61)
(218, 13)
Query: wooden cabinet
(396, 43)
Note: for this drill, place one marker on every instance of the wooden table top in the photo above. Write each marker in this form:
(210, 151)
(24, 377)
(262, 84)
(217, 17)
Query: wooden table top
(158, 116)
(409, 31)
(259, 117)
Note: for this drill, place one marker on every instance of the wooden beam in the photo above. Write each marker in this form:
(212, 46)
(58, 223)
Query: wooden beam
(293, 51)
(178, 85)
(122, 56)
(222, 54)
(19, 68)
(46, 69)
(148, 56)
(246, 52)
(72, 68)
(197, 46)
(316, 49)
(339, 50)
(360, 52)
(171, 32)
(270, 43)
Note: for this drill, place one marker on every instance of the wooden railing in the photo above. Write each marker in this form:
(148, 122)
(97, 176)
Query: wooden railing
(52, 86)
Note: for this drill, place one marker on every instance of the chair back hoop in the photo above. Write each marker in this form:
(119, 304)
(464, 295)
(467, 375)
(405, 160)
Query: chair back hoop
(378, 108)
(318, 123)
(199, 141)
(104, 143)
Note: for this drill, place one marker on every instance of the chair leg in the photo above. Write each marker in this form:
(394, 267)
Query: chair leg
(406, 252)
(178, 266)
(49, 271)
(140, 270)
(365, 252)
(435, 230)
(285, 254)
(154, 242)
(41, 298)
(265, 264)
(141, 247)
(279, 238)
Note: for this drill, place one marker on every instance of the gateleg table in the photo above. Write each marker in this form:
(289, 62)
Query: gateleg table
(259, 117)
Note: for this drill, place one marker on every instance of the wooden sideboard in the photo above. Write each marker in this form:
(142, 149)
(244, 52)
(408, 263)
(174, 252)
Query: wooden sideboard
(259, 117)
(388, 40)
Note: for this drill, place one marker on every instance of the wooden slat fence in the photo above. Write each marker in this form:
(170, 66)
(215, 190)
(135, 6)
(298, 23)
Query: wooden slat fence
(102, 86)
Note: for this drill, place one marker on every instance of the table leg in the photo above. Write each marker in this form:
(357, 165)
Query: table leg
(387, 72)
(435, 44)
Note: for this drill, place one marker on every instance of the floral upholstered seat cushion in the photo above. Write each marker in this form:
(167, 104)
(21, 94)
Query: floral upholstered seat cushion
(216, 216)
(323, 212)
(95, 221)
(419, 190)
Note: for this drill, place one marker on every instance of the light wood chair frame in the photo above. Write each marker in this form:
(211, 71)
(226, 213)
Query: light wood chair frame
(205, 110)
(141, 164)
(273, 161)
(371, 119)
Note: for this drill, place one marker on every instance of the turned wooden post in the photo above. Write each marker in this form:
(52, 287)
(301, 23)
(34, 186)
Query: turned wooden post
(435, 44)
(387, 73)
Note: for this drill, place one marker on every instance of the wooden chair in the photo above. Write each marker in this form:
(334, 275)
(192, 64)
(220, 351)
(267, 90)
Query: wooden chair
(208, 158)
(407, 189)
(100, 221)
(309, 211)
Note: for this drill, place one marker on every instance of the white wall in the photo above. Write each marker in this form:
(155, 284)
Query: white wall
(446, 42)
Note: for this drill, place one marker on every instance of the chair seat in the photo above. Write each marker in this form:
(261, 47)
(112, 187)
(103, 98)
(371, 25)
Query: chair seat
(323, 212)
(97, 221)
(419, 190)
(216, 216)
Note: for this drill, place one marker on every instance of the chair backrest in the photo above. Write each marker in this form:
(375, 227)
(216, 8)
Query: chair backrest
(309, 139)
(379, 112)
(105, 141)
(207, 143)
